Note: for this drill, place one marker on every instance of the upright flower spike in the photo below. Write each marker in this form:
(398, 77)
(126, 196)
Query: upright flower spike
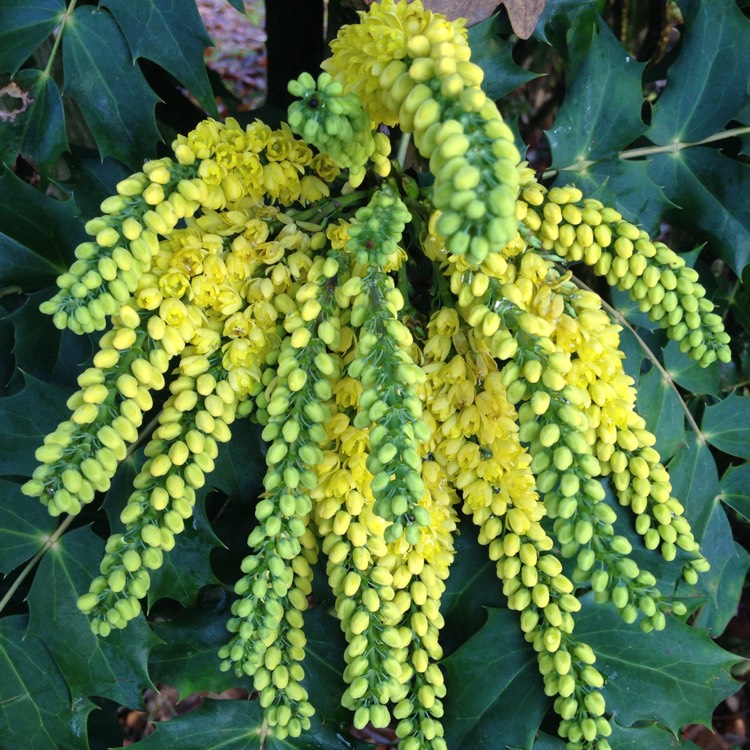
(125, 241)
(181, 452)
(268, 645)
(83, 453)
(579, 229)
(411, 67)
(388, 375)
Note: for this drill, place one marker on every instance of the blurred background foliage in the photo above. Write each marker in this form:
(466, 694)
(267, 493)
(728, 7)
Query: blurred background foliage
(641, 104)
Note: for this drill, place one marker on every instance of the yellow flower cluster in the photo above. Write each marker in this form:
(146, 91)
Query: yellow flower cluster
(236, 282)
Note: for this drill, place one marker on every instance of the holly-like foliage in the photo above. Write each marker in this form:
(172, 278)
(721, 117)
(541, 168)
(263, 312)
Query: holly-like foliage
(498, 474)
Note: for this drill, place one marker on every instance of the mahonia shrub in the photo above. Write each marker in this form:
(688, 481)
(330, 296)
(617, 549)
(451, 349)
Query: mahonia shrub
(266, 274)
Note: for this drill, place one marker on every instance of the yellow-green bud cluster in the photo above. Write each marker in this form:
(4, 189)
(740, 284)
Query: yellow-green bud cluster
(269, 641)
(125, 241)
(656, 277)
(81, 456)
(181, 452)
(336, 124)
(535, 585)
(426, 83)
(473, 158)
(387, 373)
(642, 484)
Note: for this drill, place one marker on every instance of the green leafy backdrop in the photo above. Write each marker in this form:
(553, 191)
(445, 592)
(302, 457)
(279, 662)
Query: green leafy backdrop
(664, 139)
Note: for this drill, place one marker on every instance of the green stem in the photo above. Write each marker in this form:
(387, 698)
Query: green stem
(618, 316)
(64, 18)
(636, 153)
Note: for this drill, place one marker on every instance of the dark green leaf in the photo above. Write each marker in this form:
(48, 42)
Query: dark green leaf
(324, 664)
(187, 568)
(695, 482)
(600, 114)
(623, 184)
(706, 86)
(689, 374)
(235, 725)
(674, 677)
(660, 406)
(113, 667)
(93, 180)
(547, 742)
(735, 489)
(240, 465)
(37, 234)
(723, 584)
(188, 657)
(471, 586)
(25, 418)
(109, 89)
(709, 189)
(238, 5)
(36, 711)
(495, 57)
(171, 34)
(37, 126)
(557, 17)
(494, 688)
(24, 25)
(726, 425)
(650, 736)
(44, 351)
(24, 526)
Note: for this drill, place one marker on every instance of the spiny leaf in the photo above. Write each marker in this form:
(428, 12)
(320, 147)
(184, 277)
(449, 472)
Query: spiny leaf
(25, 418)
(324, 664)
(36, 127)
(42, 350)
(501, 74)
(600, 114)
(547, 742)
(37, 234)
(688, 373)
(494, 688)
(471, 586)
(723, 583)
(24, 25)
(726, 425)
(171, 34)
(652, 736)
(695, 481)
(113, 95)
(735, 489)
(709, 190)
(187, 568)
(659, 404)
(92, 180)
(188, 658)
(674, 677)
(623, 184)
(112, 667)
(236, 725)
(24, 525)
(706, 86)
(36, 711)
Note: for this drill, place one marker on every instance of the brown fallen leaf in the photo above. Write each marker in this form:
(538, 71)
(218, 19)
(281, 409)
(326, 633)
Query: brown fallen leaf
(524, 15)
(473, 11)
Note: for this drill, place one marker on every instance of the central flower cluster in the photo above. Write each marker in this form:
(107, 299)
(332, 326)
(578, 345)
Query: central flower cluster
(235, 280)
